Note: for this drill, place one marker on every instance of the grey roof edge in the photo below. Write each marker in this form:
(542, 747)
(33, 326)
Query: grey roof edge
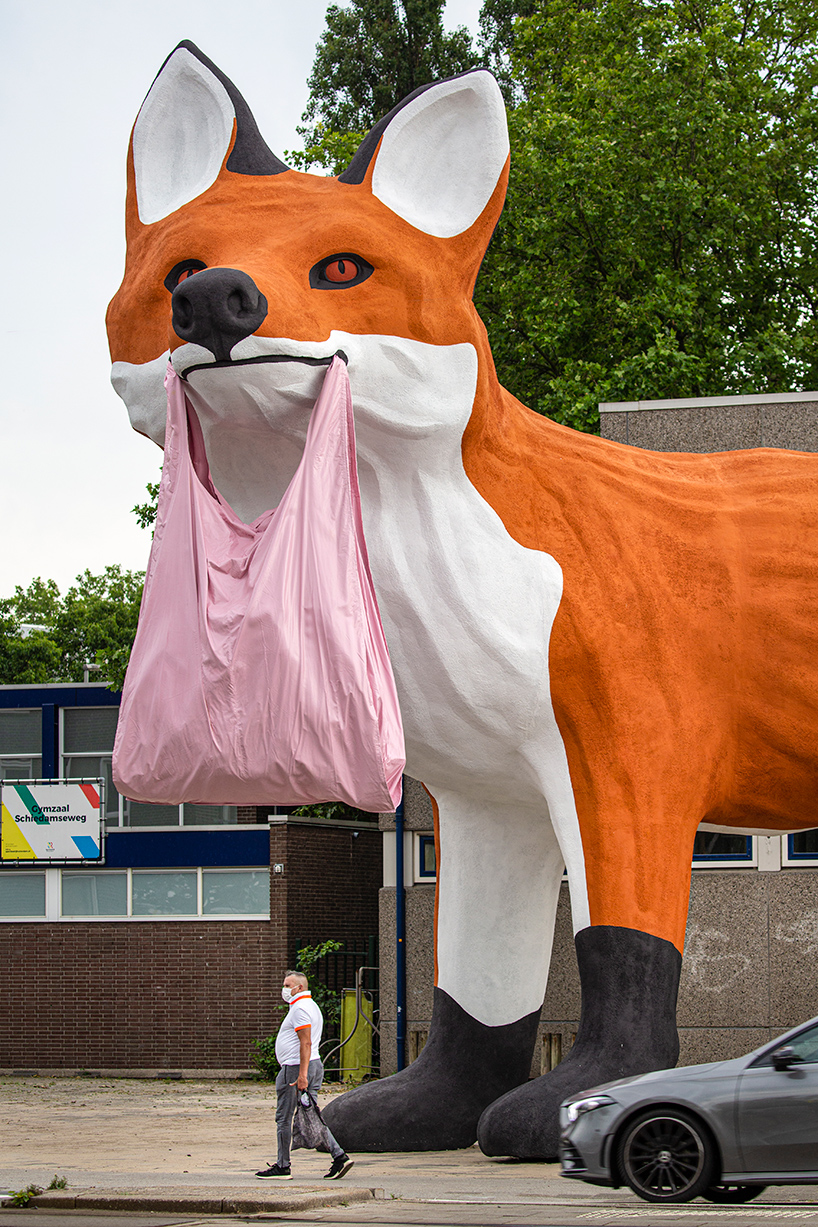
(701, 402)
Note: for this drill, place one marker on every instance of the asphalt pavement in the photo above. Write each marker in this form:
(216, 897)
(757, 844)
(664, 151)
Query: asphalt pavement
(155, 1154)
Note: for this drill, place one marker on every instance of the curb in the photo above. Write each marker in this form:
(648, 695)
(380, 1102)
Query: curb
(232, 1201)
(141, 1075)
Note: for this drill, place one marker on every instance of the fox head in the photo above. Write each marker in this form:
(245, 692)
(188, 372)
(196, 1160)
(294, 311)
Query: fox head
(250, 276)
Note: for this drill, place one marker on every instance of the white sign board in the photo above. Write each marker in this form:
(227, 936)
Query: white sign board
(52, 820)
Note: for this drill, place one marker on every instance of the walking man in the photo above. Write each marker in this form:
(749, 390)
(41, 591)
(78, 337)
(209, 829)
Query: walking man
(301, 1070)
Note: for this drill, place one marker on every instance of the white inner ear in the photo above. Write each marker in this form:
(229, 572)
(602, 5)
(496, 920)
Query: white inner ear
(442, 154)
(181, 136)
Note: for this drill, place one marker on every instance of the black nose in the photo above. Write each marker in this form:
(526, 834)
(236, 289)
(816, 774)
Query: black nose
(217, 308)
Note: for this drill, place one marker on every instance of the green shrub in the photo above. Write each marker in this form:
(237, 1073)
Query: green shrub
(263, 1059)
(262, 1052)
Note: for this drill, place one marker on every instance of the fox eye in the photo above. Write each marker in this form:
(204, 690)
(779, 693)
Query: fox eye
(181, 271)
(340, 271)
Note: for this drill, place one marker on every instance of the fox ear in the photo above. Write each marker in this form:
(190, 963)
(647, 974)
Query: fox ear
(184, 130)
(441, 154)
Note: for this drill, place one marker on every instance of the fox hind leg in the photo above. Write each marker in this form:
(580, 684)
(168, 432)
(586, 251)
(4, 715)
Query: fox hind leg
(629, 983)
(629, 960)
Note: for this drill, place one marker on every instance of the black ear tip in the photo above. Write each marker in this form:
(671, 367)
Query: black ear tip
(187, 45)
(250, 155)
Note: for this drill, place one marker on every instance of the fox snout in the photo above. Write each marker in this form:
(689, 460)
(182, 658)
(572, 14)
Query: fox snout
(217, 308)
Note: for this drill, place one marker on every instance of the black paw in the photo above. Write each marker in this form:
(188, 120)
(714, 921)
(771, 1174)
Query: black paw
(436, 1102)
(628, 1026)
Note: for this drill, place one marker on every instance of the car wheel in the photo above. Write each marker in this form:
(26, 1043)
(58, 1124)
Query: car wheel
(733, 1194)
(666, 1155)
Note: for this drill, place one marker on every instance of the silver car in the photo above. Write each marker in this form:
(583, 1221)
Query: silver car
(722, 1131)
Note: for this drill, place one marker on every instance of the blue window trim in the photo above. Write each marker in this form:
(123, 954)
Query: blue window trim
(792, 855)
(746, 855)
(68, 695)
(177, 848)
(423, 841)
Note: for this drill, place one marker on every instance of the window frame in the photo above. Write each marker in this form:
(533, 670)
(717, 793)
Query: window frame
(736, 860)
(419, 841)
(27, 757)
(796, 860)
(53, 896)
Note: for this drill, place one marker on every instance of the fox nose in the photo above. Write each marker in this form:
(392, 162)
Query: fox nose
(217, 308)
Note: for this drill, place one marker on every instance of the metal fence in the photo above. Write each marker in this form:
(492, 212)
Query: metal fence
(335, 972)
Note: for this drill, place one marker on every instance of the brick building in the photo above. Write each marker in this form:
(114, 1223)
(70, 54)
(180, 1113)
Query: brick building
(168, 956)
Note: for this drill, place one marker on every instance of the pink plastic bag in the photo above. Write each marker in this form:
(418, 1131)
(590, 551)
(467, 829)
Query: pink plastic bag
(260, 672)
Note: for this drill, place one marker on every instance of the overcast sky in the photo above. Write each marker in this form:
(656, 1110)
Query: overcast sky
(73, 78)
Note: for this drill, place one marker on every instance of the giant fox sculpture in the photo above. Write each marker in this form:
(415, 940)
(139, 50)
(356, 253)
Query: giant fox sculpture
(597, 649)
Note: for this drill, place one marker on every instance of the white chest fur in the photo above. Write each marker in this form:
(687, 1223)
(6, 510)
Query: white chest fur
(467, 610)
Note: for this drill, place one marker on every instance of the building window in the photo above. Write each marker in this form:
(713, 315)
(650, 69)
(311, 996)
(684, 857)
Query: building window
(135, 895)
(94, 894)
(227, 892)
(715, 849)
(165, 892)
(425, 858)
(87, 748)
(140, 814)
(21, 733)
(801, 848)
(22, 896)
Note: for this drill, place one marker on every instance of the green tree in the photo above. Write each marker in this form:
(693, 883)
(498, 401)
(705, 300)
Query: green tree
(146, 512)
(659, 235)
(498, 20)
(371, 55)
(46, 637)
(29, 654)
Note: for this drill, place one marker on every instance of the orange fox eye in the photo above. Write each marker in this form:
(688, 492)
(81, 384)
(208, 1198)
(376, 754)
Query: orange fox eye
(181, 271)
(339, 271)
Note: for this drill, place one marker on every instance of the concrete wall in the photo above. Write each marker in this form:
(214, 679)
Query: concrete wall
(720, 424)
(750, 968)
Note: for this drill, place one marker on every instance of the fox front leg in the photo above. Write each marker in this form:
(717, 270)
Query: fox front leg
(498, 883)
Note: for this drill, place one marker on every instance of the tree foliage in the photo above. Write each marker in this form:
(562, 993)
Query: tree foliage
(497, 38)
(263, 1052)
(371, 55)
(659, 235)
(146, 512)
(46, 637)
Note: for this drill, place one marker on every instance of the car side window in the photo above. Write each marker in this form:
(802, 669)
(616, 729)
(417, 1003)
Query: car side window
(805, 1045)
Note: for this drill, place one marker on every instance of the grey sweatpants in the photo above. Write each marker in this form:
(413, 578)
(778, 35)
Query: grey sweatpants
(286, 1103)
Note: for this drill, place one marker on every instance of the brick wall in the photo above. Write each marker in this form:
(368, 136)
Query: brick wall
(163, 994)
(329, 888)
(182, 994)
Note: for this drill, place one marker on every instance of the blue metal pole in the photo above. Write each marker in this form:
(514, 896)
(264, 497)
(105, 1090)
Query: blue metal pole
(400, 937)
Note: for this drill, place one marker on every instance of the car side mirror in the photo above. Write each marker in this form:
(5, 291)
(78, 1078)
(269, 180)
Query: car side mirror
(784, 1057)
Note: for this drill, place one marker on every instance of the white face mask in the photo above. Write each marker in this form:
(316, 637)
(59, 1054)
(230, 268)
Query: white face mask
(287, 993)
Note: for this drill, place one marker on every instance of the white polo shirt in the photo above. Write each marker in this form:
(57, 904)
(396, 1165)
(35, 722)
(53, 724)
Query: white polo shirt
(303, 1012)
